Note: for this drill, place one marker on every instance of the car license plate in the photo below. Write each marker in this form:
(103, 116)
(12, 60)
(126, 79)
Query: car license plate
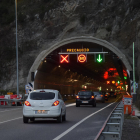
(40, 111)
(84, 101)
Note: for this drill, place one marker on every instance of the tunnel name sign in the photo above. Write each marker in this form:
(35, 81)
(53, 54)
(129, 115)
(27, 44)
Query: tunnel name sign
(78, 50)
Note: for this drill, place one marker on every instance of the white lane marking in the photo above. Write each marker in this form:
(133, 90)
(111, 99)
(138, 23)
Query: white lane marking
(71, 128)
(70, 104)
(10, 110)
(21, 117)
(10, 120)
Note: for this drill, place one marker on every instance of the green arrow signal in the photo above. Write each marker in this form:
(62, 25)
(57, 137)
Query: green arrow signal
(99, 59)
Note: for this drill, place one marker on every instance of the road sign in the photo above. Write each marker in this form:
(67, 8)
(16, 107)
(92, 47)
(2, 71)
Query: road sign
(127, 101)
(9, 93)
(99, 57)
(136, 84)
(82, 58)
(64, 58)
(132, 87)
(29, 87)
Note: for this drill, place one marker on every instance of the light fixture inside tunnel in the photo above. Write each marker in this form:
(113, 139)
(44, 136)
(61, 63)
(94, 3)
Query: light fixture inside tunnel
(118, 82)
(125, 77)
(108, 82)
(113, 82)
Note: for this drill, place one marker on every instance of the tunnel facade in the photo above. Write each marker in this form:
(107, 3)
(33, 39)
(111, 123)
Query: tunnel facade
(88, 39)
(104, 43)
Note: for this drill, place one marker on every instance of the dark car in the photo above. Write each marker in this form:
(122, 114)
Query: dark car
(113, 94)
(85, 98)
(105, 95)
(99, 96)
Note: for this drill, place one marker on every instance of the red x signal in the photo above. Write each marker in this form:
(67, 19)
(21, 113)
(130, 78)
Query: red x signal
(64, 59)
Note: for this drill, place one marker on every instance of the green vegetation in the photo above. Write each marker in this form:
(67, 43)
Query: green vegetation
(3, 92)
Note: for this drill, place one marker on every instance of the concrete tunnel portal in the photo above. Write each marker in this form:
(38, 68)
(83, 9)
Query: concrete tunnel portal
(109, 75)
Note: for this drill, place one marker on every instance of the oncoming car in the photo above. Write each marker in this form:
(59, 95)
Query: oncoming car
(44, 103)
(85, 98)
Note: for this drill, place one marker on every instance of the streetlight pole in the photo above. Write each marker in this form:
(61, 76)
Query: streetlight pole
(134, 87)
(16, 49)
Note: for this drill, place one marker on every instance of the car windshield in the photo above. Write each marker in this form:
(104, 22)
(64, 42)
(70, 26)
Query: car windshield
(97, 93)
(42, 96)
(83, 93)
(112, 92)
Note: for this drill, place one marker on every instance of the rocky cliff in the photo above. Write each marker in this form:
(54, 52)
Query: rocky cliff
(48, 21)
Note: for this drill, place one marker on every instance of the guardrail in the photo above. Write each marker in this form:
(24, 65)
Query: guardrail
(112, 128)
(10, 101)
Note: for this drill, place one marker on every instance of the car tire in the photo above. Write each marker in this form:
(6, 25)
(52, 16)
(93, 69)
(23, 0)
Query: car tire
(94, 105)
(25, 119)
(64, 117)
(77, 105)
(59, 119)
(32, 119)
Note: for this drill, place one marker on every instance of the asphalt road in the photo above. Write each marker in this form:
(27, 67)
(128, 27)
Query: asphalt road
(83, 123)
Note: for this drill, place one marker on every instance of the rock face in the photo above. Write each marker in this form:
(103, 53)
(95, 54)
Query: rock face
(49, 21)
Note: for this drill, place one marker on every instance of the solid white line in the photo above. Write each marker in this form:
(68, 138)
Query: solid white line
(71, 128)
(11, 120)
(70, 104)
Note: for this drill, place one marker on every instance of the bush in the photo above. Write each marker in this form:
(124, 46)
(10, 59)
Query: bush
(3, 92)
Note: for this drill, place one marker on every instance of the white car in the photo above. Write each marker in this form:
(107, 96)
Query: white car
(44, 103)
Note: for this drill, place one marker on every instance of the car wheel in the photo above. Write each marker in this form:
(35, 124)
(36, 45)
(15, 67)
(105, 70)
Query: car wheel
(77, 105)
(64, 117)
(94, 105)
(59, 119)
(25, 119)
(32, 119)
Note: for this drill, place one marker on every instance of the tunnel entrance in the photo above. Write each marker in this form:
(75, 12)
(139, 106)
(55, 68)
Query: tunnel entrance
(73, 66)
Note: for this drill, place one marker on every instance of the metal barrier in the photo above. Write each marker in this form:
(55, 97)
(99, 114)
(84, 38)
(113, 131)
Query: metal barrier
(112, 128)
(10, 101)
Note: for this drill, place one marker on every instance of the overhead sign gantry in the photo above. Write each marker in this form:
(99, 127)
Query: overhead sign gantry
(81, 55)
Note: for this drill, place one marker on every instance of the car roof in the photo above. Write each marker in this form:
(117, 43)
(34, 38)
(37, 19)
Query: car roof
(85, 91)
(46, 90)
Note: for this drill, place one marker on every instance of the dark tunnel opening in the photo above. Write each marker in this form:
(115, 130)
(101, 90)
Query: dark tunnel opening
(69, 78)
